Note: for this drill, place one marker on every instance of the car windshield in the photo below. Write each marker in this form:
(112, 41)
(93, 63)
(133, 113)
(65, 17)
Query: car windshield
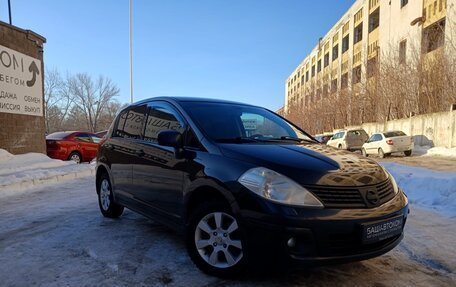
(238, 123)
(58, 135)
(394, 134)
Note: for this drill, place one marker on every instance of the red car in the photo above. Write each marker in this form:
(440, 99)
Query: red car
(76, 146)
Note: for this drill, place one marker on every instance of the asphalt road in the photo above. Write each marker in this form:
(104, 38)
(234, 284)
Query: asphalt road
(56, 236)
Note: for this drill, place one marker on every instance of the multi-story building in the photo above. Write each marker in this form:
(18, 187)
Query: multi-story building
(367, 34)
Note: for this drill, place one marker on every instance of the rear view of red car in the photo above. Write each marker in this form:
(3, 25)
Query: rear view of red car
(76, 146)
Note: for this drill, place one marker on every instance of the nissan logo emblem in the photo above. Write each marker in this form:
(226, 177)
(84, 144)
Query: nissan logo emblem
(372, 197)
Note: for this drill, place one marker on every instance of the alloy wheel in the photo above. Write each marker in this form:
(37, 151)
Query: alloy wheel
(217, 240)
(105, 193)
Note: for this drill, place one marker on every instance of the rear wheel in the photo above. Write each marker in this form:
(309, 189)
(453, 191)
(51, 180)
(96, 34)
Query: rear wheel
(364, 152)
(214, 240)
(408, 152)
(75, 156)
(381, 154)
(340, 146)
(106, 200)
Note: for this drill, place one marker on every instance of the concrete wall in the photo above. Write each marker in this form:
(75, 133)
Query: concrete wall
(22, 133)
(437, 129)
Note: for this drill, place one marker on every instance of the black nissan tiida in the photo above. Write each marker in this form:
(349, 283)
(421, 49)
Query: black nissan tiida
(243, 183)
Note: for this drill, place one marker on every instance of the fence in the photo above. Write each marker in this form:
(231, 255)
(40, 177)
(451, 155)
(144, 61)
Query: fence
(436, 129)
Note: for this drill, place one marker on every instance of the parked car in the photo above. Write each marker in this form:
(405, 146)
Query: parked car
(238, 199)
(76, 146)
(324, 138)
(352, 139)
(383, 144)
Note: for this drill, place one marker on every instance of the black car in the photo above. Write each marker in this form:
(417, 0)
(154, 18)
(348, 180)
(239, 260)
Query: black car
(243, 183)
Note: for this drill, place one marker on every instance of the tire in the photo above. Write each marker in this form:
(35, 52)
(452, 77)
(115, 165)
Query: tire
(363, 151)
(214, 227)
(408, 152)
(106, 202)
(381, 154)
(339, 146)
(75, 156)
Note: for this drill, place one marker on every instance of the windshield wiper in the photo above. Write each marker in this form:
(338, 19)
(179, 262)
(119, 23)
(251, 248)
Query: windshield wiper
(237, 140)
(289, 138)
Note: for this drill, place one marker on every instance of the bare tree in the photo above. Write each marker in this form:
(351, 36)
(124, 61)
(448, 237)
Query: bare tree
(92, 97)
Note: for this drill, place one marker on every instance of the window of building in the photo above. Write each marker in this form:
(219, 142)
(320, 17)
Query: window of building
(403, 3)
(334, 86)
(435, 7)
(326, 60)
(433, 36)
(335, 52)
(440, 5)
(302, 80)
(402, 51)
(372, 67)
(344, 81)
(325, 91)
(374, 20)
(313, 71)
(307, 76)
(358, 33)
(356, 75)
(319, 66)
(345, 43)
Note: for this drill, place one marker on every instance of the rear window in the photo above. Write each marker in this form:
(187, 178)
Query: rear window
(58, 135)
(394, 134)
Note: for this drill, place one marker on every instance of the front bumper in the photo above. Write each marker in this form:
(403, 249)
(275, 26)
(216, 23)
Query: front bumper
(320, 236)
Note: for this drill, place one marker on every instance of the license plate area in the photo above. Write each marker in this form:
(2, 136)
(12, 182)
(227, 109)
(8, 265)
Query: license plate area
(382, 229)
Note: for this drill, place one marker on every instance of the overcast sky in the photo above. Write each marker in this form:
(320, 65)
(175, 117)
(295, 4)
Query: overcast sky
(240, 50)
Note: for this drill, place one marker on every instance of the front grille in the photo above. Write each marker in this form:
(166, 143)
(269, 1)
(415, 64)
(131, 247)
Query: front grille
(353, 197)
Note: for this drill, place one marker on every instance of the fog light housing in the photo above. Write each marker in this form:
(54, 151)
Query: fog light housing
(291, 242)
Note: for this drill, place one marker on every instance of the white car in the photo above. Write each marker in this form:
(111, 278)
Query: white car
(383, 144)
(352, 139)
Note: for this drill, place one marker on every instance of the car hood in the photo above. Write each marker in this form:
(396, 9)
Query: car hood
(309, 163)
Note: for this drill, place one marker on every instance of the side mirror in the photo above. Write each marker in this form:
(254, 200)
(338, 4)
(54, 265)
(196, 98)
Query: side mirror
(170, 138)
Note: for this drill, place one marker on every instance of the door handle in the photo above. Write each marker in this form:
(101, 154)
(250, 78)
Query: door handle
(140, 152)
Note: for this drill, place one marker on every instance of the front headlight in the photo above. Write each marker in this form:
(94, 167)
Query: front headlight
(276, 187)
(393, 181)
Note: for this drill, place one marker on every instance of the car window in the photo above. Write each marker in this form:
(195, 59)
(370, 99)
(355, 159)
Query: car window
(338, 135)
(82, 137)
(58, 135)
(130, 122)
(161, 117)
(394, 134)
(229, 122)
(375, 137)
(255, 124)
(95, 139)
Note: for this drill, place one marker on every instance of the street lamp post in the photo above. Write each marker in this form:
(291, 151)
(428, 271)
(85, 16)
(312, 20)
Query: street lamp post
(131, 52)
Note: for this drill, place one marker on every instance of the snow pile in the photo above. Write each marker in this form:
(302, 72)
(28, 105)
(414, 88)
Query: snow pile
(427, 188)
(18, 172)
(434, 151)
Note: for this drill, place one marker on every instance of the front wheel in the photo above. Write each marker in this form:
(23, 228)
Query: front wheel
(106, 200)
(381, 154)
(214, 241)
(364, 152)
(408, 152)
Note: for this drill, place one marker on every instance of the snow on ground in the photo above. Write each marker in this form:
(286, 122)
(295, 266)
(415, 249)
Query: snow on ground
(434, 151)
(57, 236)
(435, 190)
(20, 172)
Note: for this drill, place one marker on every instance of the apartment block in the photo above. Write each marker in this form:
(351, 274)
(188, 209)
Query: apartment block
(347, 58)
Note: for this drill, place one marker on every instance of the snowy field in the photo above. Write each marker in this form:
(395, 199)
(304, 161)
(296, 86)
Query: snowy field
(52, 234)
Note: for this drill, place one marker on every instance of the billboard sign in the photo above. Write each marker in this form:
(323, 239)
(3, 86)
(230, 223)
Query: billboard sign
(21, 85)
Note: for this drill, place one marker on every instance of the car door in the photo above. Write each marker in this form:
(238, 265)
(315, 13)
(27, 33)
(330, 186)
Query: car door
(84, 145)
(374, 143)
(121, 147)
(157, 173)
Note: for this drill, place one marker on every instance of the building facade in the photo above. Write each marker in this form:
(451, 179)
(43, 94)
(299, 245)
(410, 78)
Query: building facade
(371, 31)
(22, 122)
